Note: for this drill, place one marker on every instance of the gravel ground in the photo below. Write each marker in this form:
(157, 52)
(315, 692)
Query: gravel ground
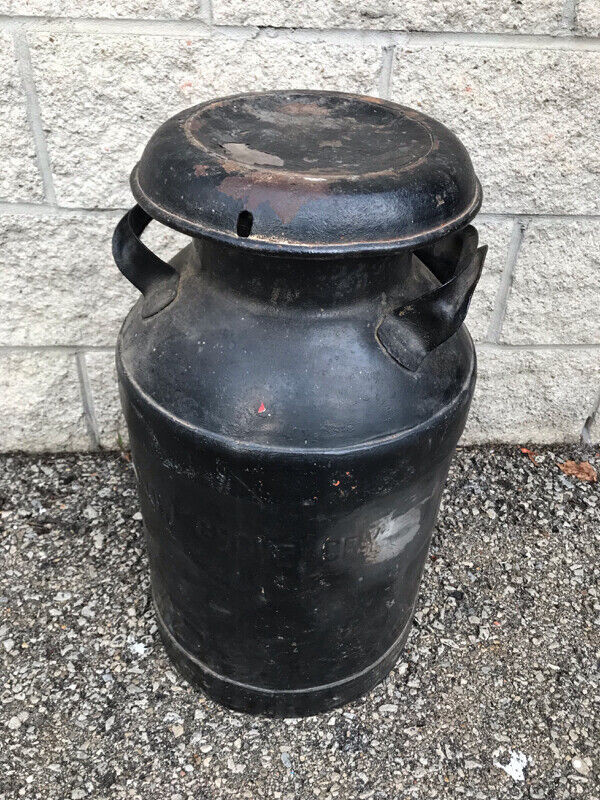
(497, 694)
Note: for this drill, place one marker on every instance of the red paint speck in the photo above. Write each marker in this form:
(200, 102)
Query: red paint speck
(261, 408)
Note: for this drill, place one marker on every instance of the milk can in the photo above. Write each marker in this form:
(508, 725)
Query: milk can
(295, 382)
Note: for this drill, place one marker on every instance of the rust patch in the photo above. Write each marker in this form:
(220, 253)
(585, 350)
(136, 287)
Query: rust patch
(376, 100)
(210, 170)
(284, 197)
(193, 124)
(307, 109)
(284, 202)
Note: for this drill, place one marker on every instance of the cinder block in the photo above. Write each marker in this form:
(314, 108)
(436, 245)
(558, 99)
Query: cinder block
(588, 17)
(555, 294)
(40, 402)
(542, 16)
(107, 9)
(121, 87)
(102, 374)
(497, 237)
(543, 396)
(527, 116)
(20, 180)
(59, 282)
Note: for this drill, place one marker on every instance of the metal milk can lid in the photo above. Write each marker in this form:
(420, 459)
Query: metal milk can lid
(307, 172)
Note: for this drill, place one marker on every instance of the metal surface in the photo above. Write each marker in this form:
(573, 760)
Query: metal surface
(291, 421)
(412, 331)
(307, 172)
(155, 279)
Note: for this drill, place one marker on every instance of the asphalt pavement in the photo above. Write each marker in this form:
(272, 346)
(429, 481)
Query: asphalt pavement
(497, 694)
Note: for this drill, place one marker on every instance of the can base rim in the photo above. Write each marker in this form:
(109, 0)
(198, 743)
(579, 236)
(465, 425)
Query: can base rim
(252, 699)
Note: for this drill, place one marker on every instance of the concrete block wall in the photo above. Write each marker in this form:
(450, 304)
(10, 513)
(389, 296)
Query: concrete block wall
(83, 83)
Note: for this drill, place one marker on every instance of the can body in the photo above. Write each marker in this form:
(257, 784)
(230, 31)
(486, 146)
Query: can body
(289, 471)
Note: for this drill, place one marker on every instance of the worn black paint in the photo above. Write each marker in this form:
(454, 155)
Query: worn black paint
(293, 396)
(321, 172)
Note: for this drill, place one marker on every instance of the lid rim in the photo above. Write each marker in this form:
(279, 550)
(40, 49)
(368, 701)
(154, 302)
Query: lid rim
(195, 230)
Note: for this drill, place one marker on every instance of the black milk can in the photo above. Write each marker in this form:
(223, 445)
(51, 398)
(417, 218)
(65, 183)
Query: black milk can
(295, 382)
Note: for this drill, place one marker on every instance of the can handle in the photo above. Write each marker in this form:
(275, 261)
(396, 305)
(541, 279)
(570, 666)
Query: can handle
(156, 280)
(413, 330)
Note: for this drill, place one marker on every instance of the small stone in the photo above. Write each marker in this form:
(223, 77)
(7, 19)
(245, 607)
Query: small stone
(177, 730)
(8, 644)
(137, 516)
(516, 766)
(286, 760)
(580, 765)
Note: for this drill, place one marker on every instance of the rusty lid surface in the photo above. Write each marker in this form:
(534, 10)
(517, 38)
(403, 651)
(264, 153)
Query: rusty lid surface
(307, 172)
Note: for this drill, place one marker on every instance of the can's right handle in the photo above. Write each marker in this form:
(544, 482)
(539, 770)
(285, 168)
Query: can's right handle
(412, 331)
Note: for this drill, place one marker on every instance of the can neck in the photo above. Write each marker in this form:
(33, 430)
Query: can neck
(300, 281)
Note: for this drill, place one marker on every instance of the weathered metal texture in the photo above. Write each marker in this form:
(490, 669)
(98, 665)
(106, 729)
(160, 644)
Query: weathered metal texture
(318, 172)
(292, 417)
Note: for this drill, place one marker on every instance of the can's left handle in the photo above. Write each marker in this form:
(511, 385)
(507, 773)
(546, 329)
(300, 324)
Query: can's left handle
(156, 280)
